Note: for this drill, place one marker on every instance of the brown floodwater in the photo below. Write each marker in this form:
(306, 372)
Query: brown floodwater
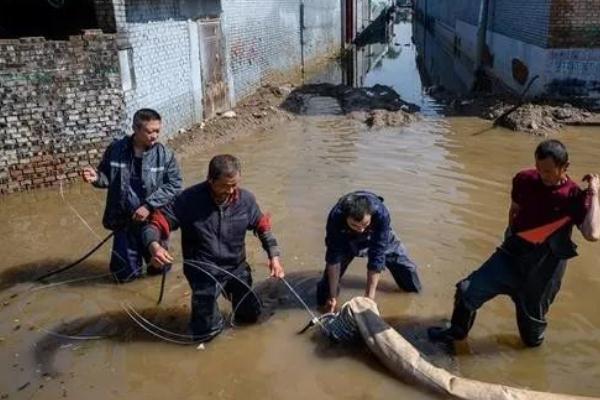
(447, 186)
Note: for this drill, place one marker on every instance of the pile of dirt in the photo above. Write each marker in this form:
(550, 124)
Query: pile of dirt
(384, 118)
(378, 97)
(257, 112)
(540, 119)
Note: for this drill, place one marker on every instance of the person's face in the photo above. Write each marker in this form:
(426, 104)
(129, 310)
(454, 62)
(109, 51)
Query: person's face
(359, 226)
(146, 134)
(550, 173)
(224, 187)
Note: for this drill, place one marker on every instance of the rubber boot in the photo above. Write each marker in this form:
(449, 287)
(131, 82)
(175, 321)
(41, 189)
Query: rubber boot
(460, 325)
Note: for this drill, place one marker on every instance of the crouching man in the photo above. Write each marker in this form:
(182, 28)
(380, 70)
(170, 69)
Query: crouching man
(214, 217)
(358, 226)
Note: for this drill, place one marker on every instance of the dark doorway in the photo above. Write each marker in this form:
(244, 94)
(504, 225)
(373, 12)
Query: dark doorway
(52, 19)
(349, 35)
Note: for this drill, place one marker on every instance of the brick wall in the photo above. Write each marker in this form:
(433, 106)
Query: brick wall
(267, 39)
(162, 73)
(323, 28)
(575, 23)
(60, 103)
(260, 42)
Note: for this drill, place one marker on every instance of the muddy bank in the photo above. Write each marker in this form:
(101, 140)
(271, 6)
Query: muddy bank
(539, 117)
(378, 106)
(259, 111)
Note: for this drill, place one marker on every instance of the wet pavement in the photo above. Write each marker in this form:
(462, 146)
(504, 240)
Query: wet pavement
(446, 182)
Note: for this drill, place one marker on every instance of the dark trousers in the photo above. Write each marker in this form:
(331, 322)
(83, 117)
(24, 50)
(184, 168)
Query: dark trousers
(129, 253)
(206, 320)
(402, 268)
(532, 284)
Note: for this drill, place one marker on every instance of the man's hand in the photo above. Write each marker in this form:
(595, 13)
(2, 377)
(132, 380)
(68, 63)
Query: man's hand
(160, 256)
(330, 305)
(593, 181)
(89, 174)
(276, 268)
(141, 214)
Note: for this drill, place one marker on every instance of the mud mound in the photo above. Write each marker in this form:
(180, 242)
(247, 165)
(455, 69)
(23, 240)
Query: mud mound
(378, 97)
(382, 118)
(257, 112)
(539, 119)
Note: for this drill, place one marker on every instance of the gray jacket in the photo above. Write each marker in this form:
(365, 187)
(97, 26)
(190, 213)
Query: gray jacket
(160, 176)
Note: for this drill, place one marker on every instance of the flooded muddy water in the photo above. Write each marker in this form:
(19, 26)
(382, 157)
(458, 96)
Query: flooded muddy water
(446, 183)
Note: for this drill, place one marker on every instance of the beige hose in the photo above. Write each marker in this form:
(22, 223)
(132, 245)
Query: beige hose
(406, 362)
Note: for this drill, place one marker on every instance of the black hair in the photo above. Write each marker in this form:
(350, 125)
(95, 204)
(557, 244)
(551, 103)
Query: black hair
(554, 149)
(223, 165)
(145, 115)
(356, 206)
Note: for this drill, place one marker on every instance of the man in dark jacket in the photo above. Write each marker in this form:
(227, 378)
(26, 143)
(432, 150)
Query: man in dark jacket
(214, 217)
(530, 263)
(357, 226)
(141, 175)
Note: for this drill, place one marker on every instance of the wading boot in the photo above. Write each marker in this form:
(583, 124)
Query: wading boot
(460, 325)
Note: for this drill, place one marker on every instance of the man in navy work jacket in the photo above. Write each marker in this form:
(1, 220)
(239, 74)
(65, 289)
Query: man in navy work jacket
(141, 175)
(214, 217)
(358, 226)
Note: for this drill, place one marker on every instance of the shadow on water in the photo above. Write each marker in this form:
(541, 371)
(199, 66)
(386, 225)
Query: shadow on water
(276, 295)
(115, 326)
(31, 271)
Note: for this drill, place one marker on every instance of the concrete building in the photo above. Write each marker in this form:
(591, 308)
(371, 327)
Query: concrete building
(556, 40)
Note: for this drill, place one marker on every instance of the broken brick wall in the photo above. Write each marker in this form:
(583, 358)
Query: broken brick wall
(574, 24)
(60, 105)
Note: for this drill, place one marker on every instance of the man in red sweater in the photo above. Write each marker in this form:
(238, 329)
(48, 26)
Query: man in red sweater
(530, 263)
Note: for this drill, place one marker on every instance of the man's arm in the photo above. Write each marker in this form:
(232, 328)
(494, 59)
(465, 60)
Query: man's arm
(372, 281)
(590, 228)
(99, 176)
(380, 239)
(261, 225)
(512, 212)
(159, 226)
(171, 186)
(333, 276)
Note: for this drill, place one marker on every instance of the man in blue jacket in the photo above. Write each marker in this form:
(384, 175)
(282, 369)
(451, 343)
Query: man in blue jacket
(357, 226)
(141, 175)
(214, 217)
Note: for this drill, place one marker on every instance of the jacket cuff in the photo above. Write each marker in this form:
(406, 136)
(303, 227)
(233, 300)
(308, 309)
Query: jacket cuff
(375, 267)
(273, 252)
(150, 234)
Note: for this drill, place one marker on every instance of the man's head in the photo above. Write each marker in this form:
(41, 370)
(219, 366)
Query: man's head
(357, 209)
(146, 127)
(551, 161)
(224, 175)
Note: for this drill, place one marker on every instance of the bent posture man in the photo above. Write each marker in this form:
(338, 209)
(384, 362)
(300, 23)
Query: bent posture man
(214, 217)
(357, 226)
(141, 175)
(530, 263)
